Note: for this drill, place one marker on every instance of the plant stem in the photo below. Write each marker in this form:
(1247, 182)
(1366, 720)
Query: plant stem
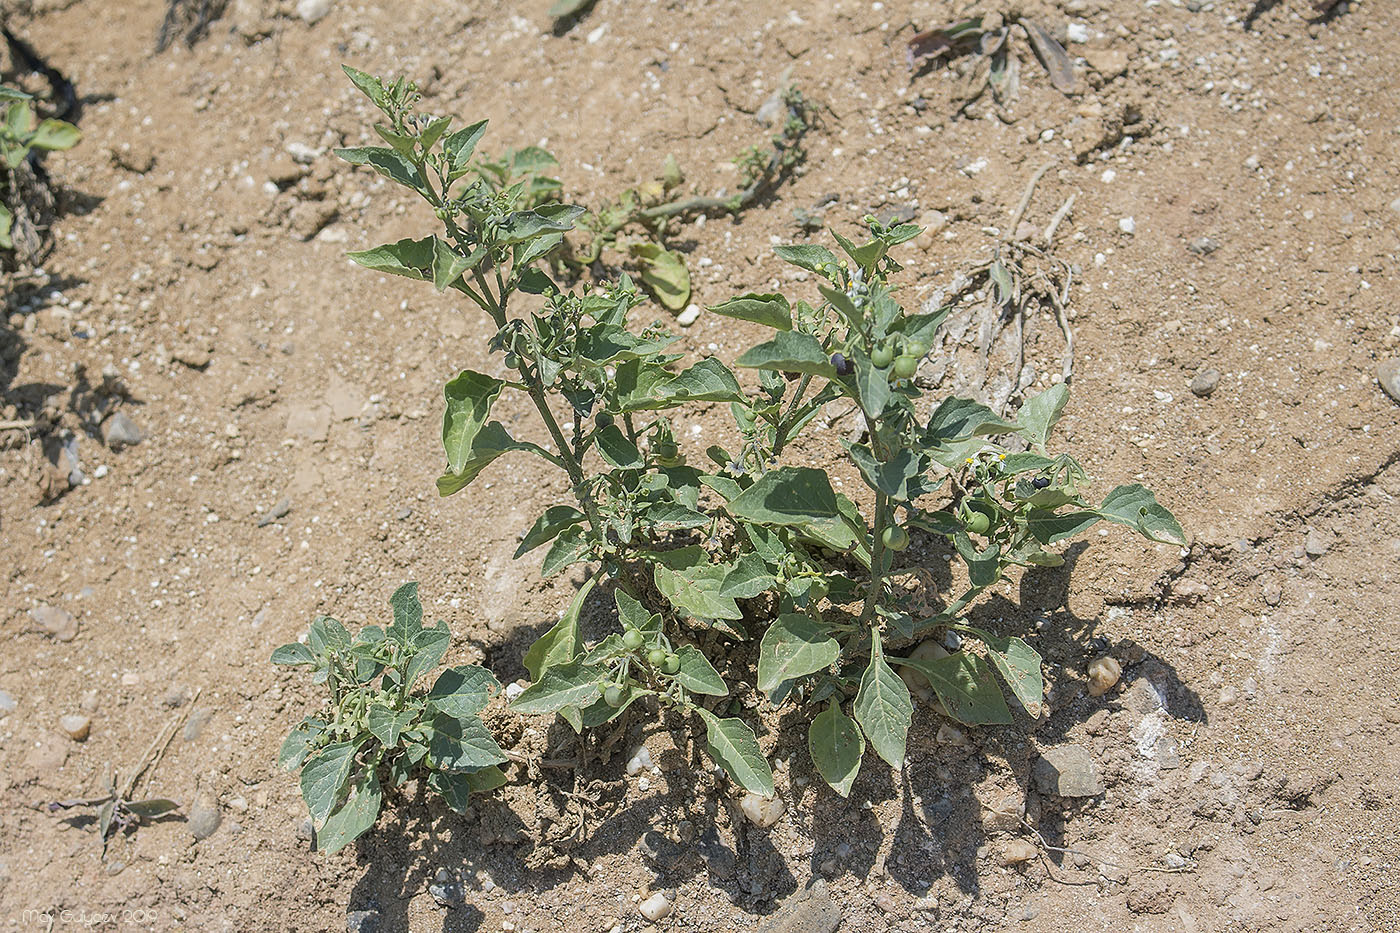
(877, 557)
(780, 438)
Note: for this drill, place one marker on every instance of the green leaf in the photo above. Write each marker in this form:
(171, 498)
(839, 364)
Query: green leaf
(787, 496)
(1019, 665)
(391, 164)
(568, 549)
(469, 399)
(562, 642)
(697, 674)
(448, 264)
(1039, 415)
(768, 310)
(386, 725)
(152, 808)
(883, 707)
(561, 685)
(794, 646)
(485, 780)
(922, 327)
(459, 146)
(1137, 507)
(664, 272)
(455, 788)
(323, 777)
(519, 226)
(836, 746)
(408, 614)
(892, 477)
(707, 381)
(55, 135)
(462, 744)
(1048, 527)
(983, 567)
(563, 8)
(734, 747)
(1003, 289)
(294, 654)
(355, 816)
(412, 259)
(806, 256)
(463, 690)
(326, 634)
(630, 612)
(693, 584)
(547, 527)
(429, 646)
(672, 516)
(865, 255)
(617, 450)
(7, 223)
(300, 742)
(491, 442)
(872, 385)
(789, 351)
(372, 87)
(966, 687)
(748, 578)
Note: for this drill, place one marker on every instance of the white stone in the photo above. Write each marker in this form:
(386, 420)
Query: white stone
(640, 761)
(77, 727)
(655, 907)
(597, 34)
(689, 316)
(762, 811)
(1077, 32)
(313, 11)
(1127, 225)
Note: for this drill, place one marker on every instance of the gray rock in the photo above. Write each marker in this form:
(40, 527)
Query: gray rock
(362, 921)
(1202, 246)
(205, 817)
(811, 910)
(199, 718)
(1316, 543)
(1273, 593)
(1067, 771)
(7, 704)
(55, 622)
(447, 890)
(1388, 372)
(1204, 383)
(280, 510)
(119, 431)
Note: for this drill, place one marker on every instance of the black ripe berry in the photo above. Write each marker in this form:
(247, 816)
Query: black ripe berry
(841, 364)
(1040, 482)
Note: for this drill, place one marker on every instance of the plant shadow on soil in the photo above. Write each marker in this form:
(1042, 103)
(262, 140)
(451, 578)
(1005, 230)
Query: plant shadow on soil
(938, 832)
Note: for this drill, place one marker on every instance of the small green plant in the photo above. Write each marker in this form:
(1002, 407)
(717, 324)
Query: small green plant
(740, 547)
(377, 732)
(21, 133)
(997, 66)
(116, 811)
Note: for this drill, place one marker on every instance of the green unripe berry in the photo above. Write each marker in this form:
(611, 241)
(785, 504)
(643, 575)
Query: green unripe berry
(881, 356)
(656, 657)
(632, 640)
(666, 450)
(614, 695)
(896, 538)
(603, 419)
(977, 522)
(916, 348)
(905, 366)
(671, 664)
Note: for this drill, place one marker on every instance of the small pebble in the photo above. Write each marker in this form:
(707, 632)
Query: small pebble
(119, 431)
(7, 704)
(1127, 225)
(1204, 383)
(1202, 246)
(763, 811)
(689, 316)
(1019, 851)
(1273, 593)
(55, 622)
(1388, 372)
(1077, 32)
(655, 907)
(313, 11)
(951, 735)
(1316, 543)
(75, 726)
(205, 817)
(1103, 675)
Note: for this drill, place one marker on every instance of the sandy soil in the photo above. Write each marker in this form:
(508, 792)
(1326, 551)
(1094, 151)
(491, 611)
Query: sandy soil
(1235, 209)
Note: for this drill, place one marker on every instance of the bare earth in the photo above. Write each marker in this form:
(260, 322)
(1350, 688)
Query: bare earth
(1250, 757)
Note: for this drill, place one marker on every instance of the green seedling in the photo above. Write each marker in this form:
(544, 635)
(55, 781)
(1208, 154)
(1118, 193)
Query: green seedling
(377, 732)
(21, 133)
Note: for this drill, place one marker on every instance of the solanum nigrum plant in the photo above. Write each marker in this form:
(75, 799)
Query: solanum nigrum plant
(743, 545)
(376, 732)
